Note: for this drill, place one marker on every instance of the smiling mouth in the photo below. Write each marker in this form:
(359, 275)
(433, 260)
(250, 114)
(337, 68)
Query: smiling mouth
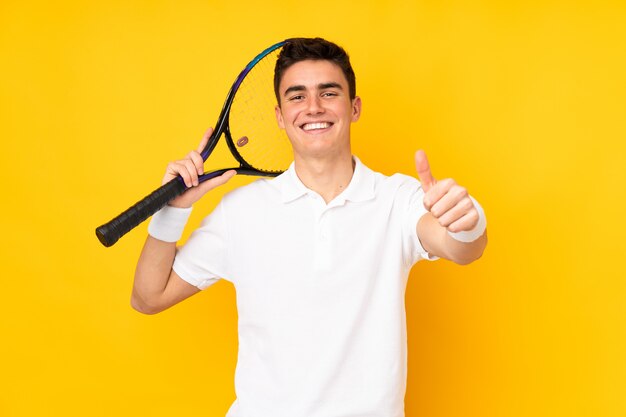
(315, 126)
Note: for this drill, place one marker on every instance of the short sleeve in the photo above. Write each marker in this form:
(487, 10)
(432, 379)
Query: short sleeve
(203, 260)
(413, 199)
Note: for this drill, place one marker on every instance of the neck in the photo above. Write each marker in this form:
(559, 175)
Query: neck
(328, 177)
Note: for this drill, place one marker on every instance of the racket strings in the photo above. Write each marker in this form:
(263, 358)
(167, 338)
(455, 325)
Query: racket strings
(252, 116)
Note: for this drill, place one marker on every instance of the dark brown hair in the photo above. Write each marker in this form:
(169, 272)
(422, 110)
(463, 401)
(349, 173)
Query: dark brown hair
(302, 49)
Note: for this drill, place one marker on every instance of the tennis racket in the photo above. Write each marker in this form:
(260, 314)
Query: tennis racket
(248, 125)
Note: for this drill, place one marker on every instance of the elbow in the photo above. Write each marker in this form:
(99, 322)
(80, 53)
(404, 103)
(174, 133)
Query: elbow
(140, 305)
(467, 260)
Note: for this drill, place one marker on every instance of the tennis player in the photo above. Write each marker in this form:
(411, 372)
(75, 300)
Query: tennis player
(319, 256)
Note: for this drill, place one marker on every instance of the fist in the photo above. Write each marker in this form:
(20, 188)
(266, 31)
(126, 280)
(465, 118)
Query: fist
(189, 169)
(447, 201)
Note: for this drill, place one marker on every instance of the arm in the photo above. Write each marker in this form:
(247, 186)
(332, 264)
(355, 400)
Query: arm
(451, 211)
(156, 286)
(436, 240)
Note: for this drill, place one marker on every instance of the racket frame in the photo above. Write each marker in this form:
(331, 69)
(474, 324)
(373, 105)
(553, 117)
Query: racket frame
(111, 232)
(223, 127)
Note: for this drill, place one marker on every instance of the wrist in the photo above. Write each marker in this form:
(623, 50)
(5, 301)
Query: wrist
(168, 223)
(478, 230)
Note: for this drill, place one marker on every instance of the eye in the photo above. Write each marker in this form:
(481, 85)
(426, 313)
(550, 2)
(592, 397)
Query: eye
(329, 94)
(296, 98)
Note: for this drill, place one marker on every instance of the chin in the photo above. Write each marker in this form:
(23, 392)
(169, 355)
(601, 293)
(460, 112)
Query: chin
(319, 150)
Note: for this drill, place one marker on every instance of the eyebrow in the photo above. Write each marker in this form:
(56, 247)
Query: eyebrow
(321, 86)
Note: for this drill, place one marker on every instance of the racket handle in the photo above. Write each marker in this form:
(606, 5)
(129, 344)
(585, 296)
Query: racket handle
(110, 232)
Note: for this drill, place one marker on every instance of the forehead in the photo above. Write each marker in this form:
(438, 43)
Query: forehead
(312, 73)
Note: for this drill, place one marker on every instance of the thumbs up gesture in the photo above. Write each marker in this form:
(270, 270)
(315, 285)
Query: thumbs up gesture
(448, 202)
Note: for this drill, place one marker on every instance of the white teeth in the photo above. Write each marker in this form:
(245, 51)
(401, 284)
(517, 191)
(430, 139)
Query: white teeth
(312, 126)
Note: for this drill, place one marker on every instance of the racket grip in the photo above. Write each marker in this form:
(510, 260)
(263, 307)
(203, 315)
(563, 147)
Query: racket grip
(110, 232)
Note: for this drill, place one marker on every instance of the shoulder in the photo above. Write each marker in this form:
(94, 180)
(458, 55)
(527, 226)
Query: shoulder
(395, 183)
(385, 187)
(384, 180)
(258, 191)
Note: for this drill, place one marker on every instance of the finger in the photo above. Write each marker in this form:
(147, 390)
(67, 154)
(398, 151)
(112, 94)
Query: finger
(191, 169)
(453, 197)
(205, 139)
(455, 213)
(186, 170)
(437, 192)
(466, 223)
(193, 194)
(217, 181)
(423, 170)
(197, 161)
(175, 169)
(225, 177)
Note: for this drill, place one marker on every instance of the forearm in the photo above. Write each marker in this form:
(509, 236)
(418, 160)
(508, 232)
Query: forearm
(156, 285)
(464, 253)
(152, 274)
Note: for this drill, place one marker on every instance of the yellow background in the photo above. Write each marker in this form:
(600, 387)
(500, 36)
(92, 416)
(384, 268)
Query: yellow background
(523, 102)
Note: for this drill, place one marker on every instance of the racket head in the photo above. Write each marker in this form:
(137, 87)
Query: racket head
(248, 120)
(249, 109)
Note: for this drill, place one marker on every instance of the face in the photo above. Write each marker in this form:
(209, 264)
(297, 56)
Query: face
(316, 110)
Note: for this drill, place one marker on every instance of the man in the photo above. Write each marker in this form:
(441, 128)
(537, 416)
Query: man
(319, 255)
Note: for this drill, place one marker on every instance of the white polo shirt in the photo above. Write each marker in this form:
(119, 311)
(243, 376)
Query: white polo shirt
(320, 292)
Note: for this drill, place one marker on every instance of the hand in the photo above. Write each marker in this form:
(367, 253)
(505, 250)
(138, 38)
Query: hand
(189, 169)
(448, 202)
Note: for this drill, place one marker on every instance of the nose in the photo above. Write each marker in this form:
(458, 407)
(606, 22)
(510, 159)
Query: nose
(315, 105)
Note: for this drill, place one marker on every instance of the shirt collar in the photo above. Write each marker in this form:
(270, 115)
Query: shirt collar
(361, 187)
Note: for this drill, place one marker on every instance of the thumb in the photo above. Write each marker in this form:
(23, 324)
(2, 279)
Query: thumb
(193, 194)
(423, 170)
(216, 181)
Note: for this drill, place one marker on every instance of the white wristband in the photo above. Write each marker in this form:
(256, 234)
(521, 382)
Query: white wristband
(477, 231)
(168, 223)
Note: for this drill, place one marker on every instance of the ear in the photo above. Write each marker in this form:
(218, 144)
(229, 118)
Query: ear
(356, 108)
(279, 117)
